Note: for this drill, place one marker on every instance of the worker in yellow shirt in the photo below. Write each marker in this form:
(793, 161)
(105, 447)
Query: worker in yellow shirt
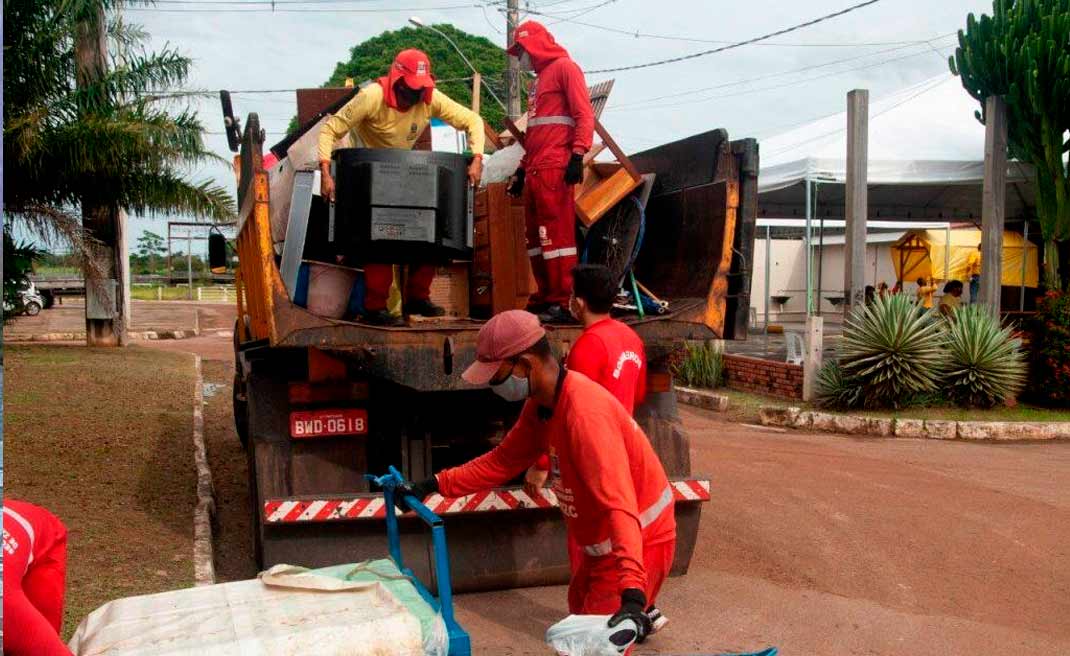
(392, 113)
(952, 298)
(925, 293)
(973, 273)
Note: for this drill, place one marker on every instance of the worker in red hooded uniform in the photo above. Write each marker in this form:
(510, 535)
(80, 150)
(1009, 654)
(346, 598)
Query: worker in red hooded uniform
(35, 570)
(610, 486)
(559, 132)
(393, 113)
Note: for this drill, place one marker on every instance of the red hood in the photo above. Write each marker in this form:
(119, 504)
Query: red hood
(415, 67)
(539, 43)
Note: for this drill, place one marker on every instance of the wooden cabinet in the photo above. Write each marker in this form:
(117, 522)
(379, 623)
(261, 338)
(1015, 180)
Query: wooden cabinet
(501, 276)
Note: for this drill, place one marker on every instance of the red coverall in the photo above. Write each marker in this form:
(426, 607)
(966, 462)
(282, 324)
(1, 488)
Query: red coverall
(610, 486)
(560, 122)
(35, 567)
(612, 355)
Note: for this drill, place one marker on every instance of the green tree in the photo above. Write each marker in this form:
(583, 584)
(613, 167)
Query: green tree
(371, 60)
(149, 247)
(125, 140)
(1022, 54)
(19, 258)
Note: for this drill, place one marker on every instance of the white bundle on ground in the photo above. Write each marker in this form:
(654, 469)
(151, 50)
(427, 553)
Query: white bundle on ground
(591, 635)
(499, 166)
(287, 613)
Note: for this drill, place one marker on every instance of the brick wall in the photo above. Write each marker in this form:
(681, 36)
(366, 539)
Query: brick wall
(763, 376)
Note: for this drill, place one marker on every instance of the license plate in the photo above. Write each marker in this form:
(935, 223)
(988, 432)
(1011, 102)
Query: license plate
(328, 423)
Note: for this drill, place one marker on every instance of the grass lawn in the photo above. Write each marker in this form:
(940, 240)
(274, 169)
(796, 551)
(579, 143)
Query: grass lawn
(743, 407)
(148, 293)
(102, 438)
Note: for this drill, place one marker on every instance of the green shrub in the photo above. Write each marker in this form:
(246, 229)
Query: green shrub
(1050, 349)
(835, 390)
(986, 365)
(700, 366)
(894, 350)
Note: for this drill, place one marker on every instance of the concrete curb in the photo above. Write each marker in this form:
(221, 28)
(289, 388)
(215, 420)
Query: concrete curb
(701, 398)
(203, 558)
(143, 335)
(933, 429)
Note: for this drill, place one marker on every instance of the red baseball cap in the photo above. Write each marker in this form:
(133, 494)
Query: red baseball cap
(415, 68)
(507, 334)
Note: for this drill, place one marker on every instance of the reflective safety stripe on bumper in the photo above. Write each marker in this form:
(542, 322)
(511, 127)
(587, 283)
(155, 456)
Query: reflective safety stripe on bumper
(310, 510)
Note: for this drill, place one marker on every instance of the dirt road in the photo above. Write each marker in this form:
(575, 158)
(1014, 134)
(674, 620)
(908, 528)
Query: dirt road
(817, 544)
(145, 316)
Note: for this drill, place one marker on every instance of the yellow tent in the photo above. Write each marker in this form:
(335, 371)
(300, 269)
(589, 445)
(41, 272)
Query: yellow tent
(921, 253)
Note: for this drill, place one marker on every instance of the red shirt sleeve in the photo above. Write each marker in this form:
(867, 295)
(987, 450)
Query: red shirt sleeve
(579, 105)
(640, 384)
(588, 356)
(601, 461)
(518, 450)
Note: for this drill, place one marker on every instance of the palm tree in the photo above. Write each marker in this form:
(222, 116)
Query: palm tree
(119, 139)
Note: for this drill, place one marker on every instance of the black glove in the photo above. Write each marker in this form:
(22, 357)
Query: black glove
(574, 170)
(633, 607)
(419, 490)
(517, 187)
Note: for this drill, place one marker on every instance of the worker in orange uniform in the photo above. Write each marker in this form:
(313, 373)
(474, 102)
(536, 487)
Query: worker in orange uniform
(609, 353)
(392, 114)
(610, 486)
(559, 132)
(35, 570)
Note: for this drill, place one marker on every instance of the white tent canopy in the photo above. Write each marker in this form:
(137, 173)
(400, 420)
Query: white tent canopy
(911, 172)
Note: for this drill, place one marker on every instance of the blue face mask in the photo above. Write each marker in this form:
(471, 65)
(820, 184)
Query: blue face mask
(513, 389)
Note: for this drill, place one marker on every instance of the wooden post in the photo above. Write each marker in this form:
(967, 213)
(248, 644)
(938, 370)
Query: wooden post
(857, 209)
(102, 222)
(512, 92)
(814, 341)
(477, 88)
(159, 293)
(993, 201)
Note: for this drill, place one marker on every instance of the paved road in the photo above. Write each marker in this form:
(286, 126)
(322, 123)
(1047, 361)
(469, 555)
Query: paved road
(146, 315)
(817, 544)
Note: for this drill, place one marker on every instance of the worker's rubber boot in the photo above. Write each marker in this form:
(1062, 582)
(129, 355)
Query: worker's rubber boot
(382, 318)
(424, 308)
(557, 314)
(657, 620)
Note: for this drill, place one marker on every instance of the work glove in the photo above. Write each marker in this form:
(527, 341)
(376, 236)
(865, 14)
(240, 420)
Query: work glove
(517, 186)
(633, 607)
(419, 490)
(574, 170)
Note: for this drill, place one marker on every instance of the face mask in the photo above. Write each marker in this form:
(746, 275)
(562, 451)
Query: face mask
(525, 61)
(406, 97)
(513, 389)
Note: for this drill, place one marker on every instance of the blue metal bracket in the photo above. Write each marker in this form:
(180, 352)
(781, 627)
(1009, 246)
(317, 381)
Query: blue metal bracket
(460, 643)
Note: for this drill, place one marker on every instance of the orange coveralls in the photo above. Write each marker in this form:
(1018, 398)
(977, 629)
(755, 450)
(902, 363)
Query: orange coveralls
(610, 486)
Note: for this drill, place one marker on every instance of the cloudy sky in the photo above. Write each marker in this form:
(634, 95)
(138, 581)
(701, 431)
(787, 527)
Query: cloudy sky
(895, 48)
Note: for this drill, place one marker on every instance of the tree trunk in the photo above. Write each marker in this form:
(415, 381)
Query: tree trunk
(1051, 265)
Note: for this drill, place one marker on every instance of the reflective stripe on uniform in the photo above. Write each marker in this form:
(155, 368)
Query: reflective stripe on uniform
(551, 120)
(560, 252)
(26, 526)
(647, 517)
(534, 252)
(601, 549)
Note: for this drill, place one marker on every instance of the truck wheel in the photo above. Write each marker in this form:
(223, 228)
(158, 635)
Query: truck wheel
(33, 308)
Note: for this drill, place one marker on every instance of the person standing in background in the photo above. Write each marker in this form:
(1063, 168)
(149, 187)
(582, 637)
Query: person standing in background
(973, 274)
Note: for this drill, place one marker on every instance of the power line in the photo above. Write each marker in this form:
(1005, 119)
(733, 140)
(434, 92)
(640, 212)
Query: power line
(756, 39)
(265, 6)
(634, 104)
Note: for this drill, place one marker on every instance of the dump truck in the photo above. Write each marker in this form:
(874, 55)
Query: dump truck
(320, 402)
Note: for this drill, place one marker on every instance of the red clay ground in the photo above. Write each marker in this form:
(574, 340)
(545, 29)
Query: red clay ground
(145, 315)
(817, 544)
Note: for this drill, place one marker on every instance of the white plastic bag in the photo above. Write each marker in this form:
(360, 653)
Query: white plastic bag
(501, 165)
(591, 635)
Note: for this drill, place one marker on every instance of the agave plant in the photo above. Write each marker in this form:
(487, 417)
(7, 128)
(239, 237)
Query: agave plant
(894, 350)
(835, 390)
(987, 364)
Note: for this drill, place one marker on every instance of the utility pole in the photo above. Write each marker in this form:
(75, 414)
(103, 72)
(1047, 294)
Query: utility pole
(854, 271)
(512, 97)
(105, 308)
(993, 202)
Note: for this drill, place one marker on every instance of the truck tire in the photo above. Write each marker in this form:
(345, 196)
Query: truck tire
(33, 308)
(239, 401)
